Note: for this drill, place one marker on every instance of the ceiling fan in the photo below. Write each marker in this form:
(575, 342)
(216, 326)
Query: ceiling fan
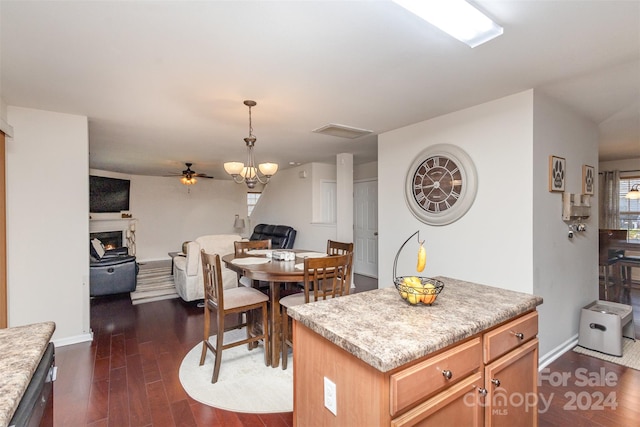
(189, 175)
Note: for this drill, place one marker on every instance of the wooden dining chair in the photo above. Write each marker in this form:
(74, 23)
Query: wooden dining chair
(240, 300)
(241, 249)
(338, 248)
(324, 278)
(243, 246)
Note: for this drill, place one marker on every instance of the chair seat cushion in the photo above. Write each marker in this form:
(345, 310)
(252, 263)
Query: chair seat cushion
(241, 296)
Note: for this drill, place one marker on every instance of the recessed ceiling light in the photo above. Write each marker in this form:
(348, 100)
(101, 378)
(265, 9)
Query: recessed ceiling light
(457, 18)
(342, 131)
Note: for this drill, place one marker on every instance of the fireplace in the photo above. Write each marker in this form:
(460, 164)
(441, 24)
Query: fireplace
(110, 239)
(114, 232)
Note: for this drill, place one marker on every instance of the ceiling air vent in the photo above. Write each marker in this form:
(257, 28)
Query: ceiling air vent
(342, 131)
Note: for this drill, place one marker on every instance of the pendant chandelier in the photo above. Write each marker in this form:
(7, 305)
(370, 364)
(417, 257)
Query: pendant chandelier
(249, 173)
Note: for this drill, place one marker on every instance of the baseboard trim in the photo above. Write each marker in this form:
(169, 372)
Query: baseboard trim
(555, 353)
(73, 340)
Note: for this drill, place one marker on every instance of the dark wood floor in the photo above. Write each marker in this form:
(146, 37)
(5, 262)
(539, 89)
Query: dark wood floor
(128, 375)
(595, 392)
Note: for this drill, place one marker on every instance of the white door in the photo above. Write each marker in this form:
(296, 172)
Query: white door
(365, 228)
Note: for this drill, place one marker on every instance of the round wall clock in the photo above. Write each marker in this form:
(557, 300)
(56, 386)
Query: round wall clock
(441, 184)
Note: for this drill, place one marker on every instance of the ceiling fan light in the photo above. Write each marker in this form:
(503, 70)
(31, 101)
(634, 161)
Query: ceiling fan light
(234, 168)
(188, 180)
(268, 169)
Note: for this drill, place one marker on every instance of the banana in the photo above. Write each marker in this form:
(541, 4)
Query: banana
(422, 257)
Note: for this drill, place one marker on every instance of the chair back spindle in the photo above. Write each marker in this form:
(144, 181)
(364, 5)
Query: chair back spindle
(338, 248)
(327, 277)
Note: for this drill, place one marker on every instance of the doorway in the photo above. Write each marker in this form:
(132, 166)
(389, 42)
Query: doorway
(365, 227)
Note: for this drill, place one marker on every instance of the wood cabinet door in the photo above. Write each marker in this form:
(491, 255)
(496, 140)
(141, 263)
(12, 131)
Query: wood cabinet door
(456, 406)
(512, 386)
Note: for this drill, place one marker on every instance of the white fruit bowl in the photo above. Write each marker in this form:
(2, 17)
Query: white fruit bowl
(416, 295)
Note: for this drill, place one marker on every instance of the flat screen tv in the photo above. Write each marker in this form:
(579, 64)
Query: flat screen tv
(108, 194)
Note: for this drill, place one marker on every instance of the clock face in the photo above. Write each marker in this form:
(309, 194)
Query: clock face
(441, 184)
(437, 184)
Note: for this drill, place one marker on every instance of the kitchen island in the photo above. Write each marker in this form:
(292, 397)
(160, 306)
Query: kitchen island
(397, 364)
(21, 350)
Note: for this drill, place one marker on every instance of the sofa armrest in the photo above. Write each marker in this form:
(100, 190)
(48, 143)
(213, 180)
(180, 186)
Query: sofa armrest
(193, 259)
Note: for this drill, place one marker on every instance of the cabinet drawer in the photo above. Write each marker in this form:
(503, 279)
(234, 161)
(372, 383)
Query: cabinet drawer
(457, 406)
(425, 378)
(507, 337)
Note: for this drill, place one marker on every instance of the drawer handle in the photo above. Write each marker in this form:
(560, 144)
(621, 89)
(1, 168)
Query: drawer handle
(519, 335)
(447, 374)
(496, 382)
(482, 391)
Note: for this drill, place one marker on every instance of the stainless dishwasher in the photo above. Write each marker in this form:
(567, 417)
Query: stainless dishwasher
(38, 398)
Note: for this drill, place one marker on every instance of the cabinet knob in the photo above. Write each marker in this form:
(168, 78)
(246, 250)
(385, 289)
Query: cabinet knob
(482, 391)
(447, 374)
(496, 382)
(519, 335)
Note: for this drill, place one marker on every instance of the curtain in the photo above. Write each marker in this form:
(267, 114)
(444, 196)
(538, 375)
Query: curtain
(609, 206)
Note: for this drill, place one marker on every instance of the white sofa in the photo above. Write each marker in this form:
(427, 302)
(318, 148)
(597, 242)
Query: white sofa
(187, 270)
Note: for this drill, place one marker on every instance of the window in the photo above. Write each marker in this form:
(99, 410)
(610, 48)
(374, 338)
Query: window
(629, 208)
(252, 201)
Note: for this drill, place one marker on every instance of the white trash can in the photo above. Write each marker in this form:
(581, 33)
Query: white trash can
(603, 324)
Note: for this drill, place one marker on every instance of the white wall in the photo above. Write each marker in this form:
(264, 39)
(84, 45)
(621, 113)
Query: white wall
(344, 197)
(513, 236)
(565, 270)
(170, 213)
(319, 173)
(365, 171)
(48, 222)
(288, 200)
(492, 242)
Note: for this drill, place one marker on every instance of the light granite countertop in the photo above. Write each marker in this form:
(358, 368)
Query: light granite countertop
(383, 330)
(21, 349)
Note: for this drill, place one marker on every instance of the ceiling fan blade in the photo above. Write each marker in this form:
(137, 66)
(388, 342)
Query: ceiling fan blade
(188, 172)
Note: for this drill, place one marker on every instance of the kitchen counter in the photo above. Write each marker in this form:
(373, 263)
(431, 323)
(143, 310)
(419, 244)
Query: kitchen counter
(21, 349)
(384, 331)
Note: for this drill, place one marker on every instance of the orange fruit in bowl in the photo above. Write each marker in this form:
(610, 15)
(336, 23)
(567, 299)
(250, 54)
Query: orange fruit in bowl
(429, 293)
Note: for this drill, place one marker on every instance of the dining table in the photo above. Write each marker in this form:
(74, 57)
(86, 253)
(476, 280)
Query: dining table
(625, 245)
(260, 265)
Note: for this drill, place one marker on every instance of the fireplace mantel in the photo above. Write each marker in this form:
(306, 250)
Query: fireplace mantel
(119, 224)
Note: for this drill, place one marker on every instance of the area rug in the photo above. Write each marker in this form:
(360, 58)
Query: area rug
(630, 354)
(154, 284)
(244, 384)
